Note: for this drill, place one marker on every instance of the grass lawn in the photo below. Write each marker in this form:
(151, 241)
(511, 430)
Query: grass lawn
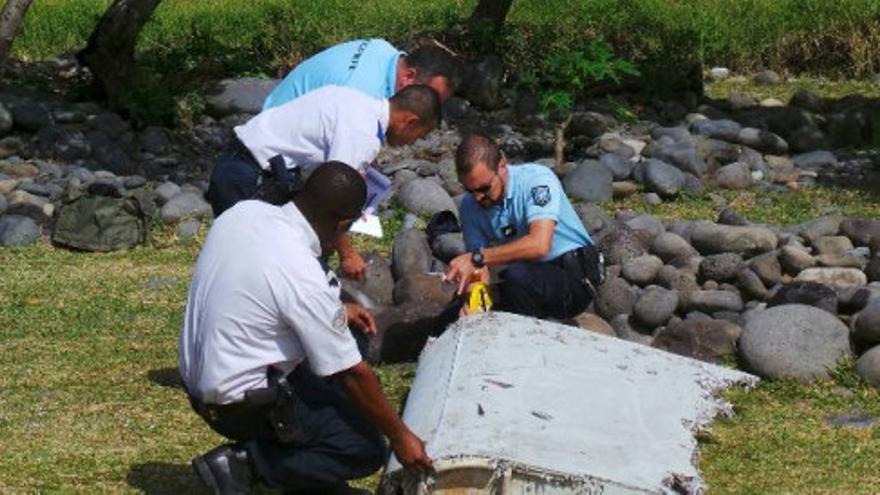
(89, 401)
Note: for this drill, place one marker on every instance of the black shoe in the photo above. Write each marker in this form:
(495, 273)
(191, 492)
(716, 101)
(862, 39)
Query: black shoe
(225, 470)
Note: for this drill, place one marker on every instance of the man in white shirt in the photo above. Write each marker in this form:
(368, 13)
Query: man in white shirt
(329, 123)
(267, 357)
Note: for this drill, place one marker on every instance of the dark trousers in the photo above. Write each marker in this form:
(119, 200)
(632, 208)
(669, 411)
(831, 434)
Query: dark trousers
(235, 178)
(334, 442)
(542, 290)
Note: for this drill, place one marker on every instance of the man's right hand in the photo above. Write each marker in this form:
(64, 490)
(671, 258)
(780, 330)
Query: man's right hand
(410, 452)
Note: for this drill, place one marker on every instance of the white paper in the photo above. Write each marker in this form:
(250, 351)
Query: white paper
(368, 224)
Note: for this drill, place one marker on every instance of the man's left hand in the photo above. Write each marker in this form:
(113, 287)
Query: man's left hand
(360, 318)
(353, 265)
(460, 270)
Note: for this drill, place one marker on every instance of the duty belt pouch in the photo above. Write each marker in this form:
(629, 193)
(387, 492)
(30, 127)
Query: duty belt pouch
(279, 184)
(282, 416)
(593, 264)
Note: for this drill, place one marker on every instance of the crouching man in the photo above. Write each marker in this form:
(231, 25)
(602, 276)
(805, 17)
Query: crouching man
(267, 357)
(518, 216)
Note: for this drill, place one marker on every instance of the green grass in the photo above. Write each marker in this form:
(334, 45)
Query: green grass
(822, 87)
(778, 208)
(198, 42)
(88, 402)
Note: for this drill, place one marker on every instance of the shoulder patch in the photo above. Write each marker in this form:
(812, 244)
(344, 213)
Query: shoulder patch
(340, 321)
(541, 195)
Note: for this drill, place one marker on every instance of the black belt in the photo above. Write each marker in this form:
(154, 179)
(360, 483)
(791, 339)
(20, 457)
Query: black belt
(236, 147)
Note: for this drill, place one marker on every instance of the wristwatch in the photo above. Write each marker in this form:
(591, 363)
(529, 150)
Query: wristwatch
(477, 258)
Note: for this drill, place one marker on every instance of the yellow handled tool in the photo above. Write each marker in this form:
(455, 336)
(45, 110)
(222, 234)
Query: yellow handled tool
(479, 300)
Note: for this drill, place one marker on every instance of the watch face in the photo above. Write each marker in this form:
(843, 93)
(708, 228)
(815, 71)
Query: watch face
(477, 259)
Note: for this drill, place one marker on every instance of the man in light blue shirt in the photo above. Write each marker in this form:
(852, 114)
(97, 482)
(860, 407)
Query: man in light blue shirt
(519, 216)
(372, 66)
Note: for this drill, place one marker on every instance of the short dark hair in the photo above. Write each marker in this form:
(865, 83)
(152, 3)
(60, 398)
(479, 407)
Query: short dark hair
(338, 188)
(474, 148)
(420, 100)
(432, 61)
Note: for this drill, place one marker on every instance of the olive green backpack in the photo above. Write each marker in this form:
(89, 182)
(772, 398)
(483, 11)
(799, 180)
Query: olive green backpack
(100, 220)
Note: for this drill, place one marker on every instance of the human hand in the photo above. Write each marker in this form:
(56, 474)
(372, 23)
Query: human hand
(410, 452)
(360, 318)
(353, 265)
(459, 271)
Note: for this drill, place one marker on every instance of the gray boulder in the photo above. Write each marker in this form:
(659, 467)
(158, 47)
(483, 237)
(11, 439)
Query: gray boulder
(750, 284)
(423, 288)
(615, 297)
(868, 367)
(3, 204)
(620, 245)
(835, 277)
(620, 166)
(425, 197)
(712, 301)
(680, 280)
(767, 77)
(655, 307)
(736, 175)
(244, 95)
(794, 341)
(720, 267)
(18, 230)
(767, 267)
(30, 116)
(703, 339)
(866, 325)
(590, 182)
(764, 141)
(186, 205)
(794, 259)
(683, 155)
(726, 130)
(816, 160)
(378, 283)
(833, 245)
(641, 270)
(165, 191)
(808, 293)
(410, 253)
(662, 178)
(625, 330)
(710, 238)
(669, 246)
(861, 231)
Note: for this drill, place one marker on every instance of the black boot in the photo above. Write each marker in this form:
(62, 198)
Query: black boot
(225, 469)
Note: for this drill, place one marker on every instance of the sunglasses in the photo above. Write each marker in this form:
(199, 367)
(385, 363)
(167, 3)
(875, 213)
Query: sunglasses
(485, 188)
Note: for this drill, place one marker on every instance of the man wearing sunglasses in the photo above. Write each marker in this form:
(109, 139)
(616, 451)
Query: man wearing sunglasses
(267, 357)
(518, 216)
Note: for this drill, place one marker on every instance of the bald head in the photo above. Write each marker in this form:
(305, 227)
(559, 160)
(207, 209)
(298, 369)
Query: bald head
(421, 101)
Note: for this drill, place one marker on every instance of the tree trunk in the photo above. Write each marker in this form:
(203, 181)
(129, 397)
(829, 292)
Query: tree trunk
(109, 53)
(10, 20)
(494, 11)
(559, 141)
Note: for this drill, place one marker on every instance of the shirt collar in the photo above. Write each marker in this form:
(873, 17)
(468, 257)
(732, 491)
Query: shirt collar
(384, 118)
(300, 222)
(391, 75)
(510, 174)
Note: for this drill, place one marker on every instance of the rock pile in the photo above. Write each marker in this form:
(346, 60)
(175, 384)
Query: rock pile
(791, 301)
